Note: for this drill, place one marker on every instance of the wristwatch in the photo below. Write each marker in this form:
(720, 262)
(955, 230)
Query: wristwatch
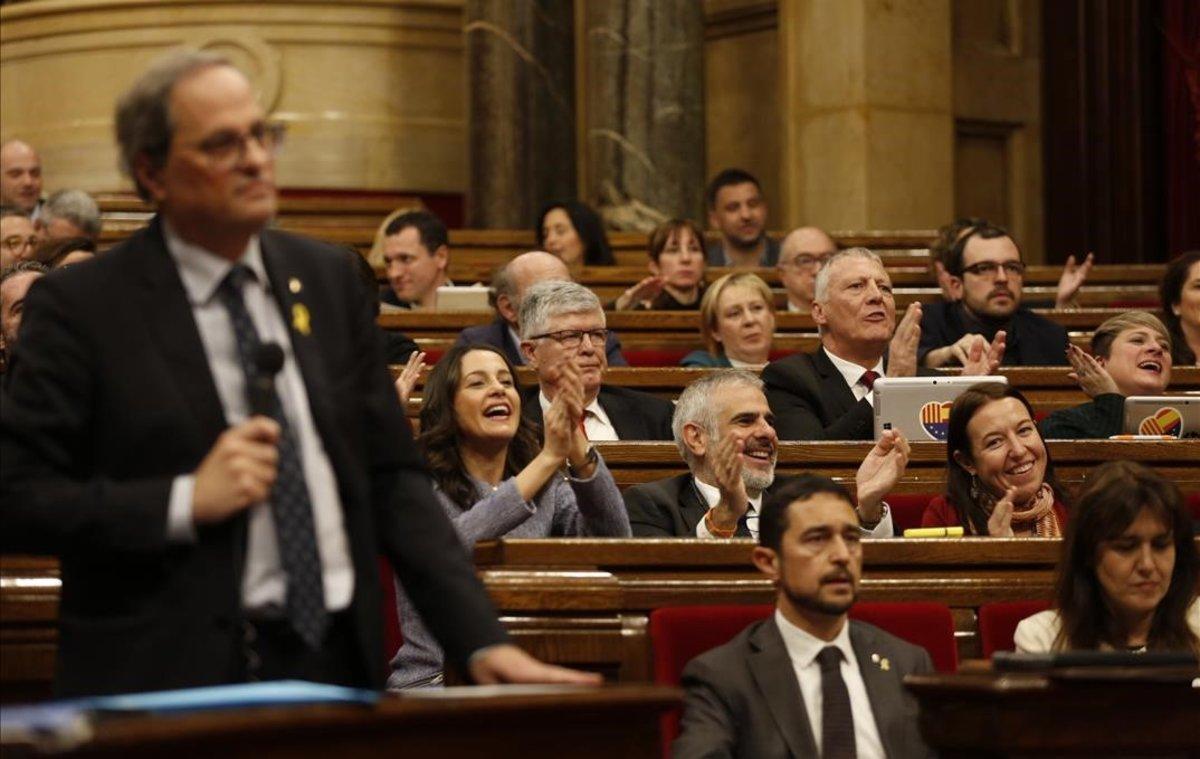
(592, 457)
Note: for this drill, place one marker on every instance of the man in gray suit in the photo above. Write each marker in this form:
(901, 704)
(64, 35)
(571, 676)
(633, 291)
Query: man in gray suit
(807, 681)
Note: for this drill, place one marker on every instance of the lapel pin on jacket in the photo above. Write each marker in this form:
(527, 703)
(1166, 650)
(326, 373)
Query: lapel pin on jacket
(301, 321)
(294, 285)
(882, 662)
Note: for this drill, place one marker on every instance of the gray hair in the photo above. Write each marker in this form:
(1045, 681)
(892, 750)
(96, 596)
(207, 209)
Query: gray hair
(75, 206)
(21, 267)
(822, 282)
(502, 284)
(143, 118)
(697, 405)
(546, 300)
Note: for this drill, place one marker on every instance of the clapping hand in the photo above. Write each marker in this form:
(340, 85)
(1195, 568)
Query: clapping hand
(1093, 378)
(879, 472)
(902, 352)
(982, 358)
(647, 289)
(727, 471)
(408, 376)
(1073, 277)
(1000, 522)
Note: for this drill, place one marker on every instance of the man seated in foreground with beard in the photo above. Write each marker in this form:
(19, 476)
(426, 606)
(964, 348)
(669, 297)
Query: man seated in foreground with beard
(806, 681)
(725, 432)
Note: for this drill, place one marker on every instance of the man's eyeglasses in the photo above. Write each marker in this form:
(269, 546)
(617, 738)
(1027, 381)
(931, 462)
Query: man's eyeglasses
(227, 149)
(992, 268)
(573, 338)
(13, 243)
(804, 261)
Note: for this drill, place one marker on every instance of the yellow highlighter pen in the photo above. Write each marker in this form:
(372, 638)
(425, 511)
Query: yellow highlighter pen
(934, 532)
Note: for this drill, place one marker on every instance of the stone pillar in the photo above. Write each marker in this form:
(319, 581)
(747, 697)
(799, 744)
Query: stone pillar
(643, 134)
(867, 104)
(521, 70)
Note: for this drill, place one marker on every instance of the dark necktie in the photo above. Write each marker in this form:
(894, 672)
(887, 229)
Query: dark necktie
(868, 379)
(837, 723)
(291, 507)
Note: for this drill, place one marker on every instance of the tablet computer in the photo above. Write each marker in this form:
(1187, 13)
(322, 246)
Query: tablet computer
(919, 407)
(1173, 415)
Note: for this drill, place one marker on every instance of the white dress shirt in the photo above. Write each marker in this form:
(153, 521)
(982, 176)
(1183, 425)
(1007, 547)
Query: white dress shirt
(712, 496)
(852, 373)
(595, 422)
(802, 648)
(264, 583)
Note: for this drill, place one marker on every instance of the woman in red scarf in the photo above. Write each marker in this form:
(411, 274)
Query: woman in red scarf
(1000, 481)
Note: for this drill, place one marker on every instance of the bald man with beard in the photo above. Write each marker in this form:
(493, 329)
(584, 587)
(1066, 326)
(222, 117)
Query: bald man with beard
(509, 284)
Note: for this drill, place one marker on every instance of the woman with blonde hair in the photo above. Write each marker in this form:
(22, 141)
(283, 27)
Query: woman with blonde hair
(1131, 355)
(737, 322)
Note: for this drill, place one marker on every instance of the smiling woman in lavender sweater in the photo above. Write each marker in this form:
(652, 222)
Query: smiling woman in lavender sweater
(493, 480)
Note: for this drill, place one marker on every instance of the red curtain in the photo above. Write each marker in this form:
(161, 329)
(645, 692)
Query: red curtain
(1181, 117)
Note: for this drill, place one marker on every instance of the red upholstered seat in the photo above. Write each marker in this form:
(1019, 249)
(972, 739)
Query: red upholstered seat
(998, 621)
(1193, 504)
(907, 509)
(654, 356)
(391, 617)
(681, 633)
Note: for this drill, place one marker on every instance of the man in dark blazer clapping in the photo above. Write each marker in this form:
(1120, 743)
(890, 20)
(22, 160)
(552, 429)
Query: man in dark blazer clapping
(564, 320)
(827, 394)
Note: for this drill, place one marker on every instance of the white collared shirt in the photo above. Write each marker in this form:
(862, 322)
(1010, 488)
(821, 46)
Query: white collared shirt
(852, 373)
(712, 496)
(802, 648)
(264, 583)
(595, 423)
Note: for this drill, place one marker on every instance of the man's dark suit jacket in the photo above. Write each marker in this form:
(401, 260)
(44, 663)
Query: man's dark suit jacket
(671, 507)
(811, 400)
(496, 334)
(743, 700)
(634, 415)
(1030, 339)
(112, 396)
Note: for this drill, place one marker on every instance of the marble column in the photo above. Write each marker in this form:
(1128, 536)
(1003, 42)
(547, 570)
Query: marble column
(521, 73)
(643, 115)
(867, 106)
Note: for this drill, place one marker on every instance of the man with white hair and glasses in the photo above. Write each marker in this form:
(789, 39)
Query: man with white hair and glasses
(564, 321)
(725, 432)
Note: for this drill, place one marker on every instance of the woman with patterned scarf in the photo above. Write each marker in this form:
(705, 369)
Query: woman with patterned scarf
(999, 480)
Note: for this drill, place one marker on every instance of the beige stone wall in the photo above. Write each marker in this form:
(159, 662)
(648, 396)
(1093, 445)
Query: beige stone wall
(741, 93)
(374, 91)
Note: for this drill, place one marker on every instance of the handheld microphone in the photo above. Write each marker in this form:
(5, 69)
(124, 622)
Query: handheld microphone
(268, 360)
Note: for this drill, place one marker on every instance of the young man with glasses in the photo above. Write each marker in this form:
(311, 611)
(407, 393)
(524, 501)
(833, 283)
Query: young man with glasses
(987, 275)
(803, 252)
(563, 321)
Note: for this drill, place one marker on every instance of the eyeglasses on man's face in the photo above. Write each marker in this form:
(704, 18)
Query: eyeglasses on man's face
(804, 262)
(992, 268)
(573, 338)
(227, 148)
(13, 243)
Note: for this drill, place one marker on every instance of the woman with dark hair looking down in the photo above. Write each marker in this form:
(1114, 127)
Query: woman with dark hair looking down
(574, 232)
(1127, 579)
(492, 479)
(999, 480)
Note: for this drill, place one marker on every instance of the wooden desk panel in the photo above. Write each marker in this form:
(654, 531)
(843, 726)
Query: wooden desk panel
(506, 722)
(1019, 714)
